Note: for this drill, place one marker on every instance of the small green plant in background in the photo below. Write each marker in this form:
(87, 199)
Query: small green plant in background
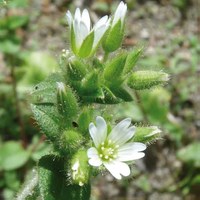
(70, 107)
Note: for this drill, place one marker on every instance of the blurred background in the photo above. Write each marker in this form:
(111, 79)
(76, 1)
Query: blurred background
(32, 36)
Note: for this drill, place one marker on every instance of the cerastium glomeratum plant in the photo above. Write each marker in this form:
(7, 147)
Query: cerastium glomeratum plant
(70, 107)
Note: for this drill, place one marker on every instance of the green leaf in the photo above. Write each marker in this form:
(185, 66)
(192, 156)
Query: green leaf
(12, 156)
(9, 46)
(45, 92)
(53, 183)
(190, 154)
(113, 37)
(15, 22)
(86, 46)
(47, 117)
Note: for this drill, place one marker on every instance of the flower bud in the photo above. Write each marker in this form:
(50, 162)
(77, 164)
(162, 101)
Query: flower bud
(70, 140)
(80, 168)
(76, 69)
(140, 80)
(84, 39)
(66, 102)
(147, 134)
(115, 33)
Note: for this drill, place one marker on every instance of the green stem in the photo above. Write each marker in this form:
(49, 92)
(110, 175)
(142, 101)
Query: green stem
(105, 58)
(141, 107)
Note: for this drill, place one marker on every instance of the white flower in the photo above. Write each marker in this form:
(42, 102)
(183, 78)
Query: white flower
(80, 26)
(120, 14)
(113, 149)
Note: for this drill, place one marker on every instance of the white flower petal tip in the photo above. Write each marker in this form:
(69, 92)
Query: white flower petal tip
(80, 26)
(113, 150)
(60, 86)
(155, 130)
(120, 13)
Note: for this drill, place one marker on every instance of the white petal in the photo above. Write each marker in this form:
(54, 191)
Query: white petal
(98, 34)
(121, 133)
(124, 168)
(99, 132)
(123, 14)
(133, 156)
(101, 22)
(95, 162)
(132, 147)
(83, 30)
(69, 18)
(86, 19)
(92, 153)
(93, 134)
(101, 128)
(117, 168)
(77, 15)
(113, 169)
(118, 13)
(78, 34)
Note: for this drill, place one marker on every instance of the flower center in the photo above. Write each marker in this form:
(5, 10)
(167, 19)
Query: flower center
(108, 150)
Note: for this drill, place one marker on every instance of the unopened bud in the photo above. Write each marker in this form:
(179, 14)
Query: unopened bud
(76, 69)
(115, 33)
(147, 134)
(70, 140)
(80, 168)
(140, 80)
(66, 102)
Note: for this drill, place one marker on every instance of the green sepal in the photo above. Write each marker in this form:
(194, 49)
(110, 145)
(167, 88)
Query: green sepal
(122, 93)
(113, 70)
(109, 97)
(90, 84)
(86, 46)
(113, 37)
(146, 134)
(76, 70)
(67, 103)
(132, 59)
(70, 141)
(80, 168)
(146, 79)
(73, 41)
(84, 120)
(53, 184)
(97, 63)
(48, 119)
